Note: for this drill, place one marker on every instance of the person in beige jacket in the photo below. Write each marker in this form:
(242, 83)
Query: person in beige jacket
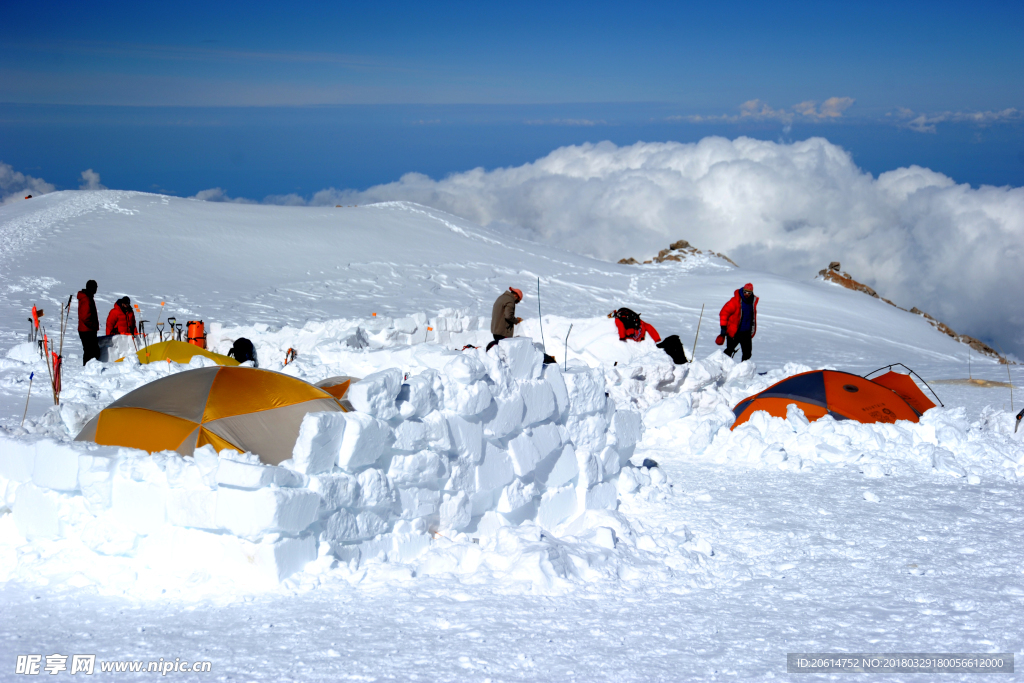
(503, 315)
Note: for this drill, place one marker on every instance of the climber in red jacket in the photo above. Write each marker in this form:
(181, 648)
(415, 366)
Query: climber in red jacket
(739, 322)
(121, 319)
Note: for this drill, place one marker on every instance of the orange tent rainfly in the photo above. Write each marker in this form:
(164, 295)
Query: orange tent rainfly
(246, 409)
(842, 395)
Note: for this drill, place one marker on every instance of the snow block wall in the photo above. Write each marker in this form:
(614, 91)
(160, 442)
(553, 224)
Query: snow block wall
(491, 440)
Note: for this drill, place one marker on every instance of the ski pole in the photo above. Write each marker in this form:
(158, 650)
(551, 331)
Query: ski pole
(540, 319)
(567, 347)
(693, 351)
(31, 375)
(49, 367)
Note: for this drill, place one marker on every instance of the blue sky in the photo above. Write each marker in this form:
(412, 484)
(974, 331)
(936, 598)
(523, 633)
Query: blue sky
(263, 98)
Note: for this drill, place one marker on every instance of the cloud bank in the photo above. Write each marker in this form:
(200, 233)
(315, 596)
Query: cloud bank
(15, 185)
(913, 234)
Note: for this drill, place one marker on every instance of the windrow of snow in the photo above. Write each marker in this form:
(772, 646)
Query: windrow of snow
(497, 462)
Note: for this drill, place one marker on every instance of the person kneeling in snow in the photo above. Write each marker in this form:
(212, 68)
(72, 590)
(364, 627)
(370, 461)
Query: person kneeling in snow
(503, 314)
(632, 327)
(739, 322)
(121, 319)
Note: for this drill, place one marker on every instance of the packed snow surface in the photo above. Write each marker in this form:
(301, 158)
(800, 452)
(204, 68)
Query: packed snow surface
(481, 515)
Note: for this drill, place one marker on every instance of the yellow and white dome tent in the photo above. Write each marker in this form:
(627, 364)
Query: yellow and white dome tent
(180, 352)
(247, 409)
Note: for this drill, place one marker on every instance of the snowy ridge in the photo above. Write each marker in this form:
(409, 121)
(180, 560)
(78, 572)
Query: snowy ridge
(739, 545)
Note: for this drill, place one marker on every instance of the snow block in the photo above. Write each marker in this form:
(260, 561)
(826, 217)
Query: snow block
(319, 442)
(439, 437)
(556, 506)
(495, 471)
(465, 369)
(418, 502)
(341, 527)
(462, 476)
(467, 437)
(410, 436)
(524, 453)
(563, 468)
(17, 458)
(375, 394)
(364, 441)
(626, 428)
(254, 476)
(196, 509)
(507, 416)
(281, 558)
(138, 505)
(601, 497)
(523, 359)
(55, 466)
(336, 490)
(553, 376)
(96, 480)
(251, 514)
(376, 491)
(611, 463)
(516, 495)
(423, 469)
(370, 524)
(456, 512)
(467, 399)
(547, 438)
(588, 432)
(417, 396)
(586, 390)
(37, 512)
(539, 400)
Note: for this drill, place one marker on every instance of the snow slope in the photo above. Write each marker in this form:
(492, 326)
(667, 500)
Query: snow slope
(778, 537)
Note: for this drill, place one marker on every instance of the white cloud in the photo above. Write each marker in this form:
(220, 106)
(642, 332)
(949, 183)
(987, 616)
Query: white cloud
(565, 122)
(91, 181)
(15, 185)
(913, 234)
(926, 123)
(217, 194)
(756, 110)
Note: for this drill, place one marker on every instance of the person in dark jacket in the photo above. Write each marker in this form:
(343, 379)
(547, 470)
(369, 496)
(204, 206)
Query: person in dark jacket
(503, 314)
(739, 322)
(121, 319)
(88, 322)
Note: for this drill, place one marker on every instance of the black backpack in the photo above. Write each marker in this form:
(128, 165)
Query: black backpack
(630, 319)
(243, 350)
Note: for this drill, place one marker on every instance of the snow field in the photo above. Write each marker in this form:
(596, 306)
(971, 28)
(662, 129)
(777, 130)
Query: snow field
(467, 463)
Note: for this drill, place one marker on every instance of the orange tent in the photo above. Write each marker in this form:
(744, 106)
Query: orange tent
(842, 395)
(247, 409)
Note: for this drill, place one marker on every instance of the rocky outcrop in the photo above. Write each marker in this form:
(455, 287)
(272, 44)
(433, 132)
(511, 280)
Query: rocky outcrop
(835, 274)
(678, 251)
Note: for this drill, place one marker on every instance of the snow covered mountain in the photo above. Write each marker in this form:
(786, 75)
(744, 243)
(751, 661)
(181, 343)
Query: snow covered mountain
(742, 546)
